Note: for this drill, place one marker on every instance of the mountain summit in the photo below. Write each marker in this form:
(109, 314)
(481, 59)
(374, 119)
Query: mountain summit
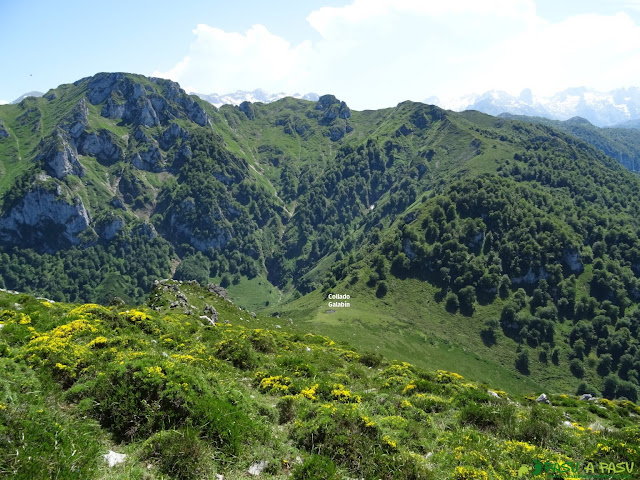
(253, 96)
(603, 109)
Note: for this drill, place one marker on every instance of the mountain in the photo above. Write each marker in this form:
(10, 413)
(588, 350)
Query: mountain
(603, 109)
(621, 143)
(253, 96)
(635, 124)
(501, 249)
(28, 94)
(96, 392)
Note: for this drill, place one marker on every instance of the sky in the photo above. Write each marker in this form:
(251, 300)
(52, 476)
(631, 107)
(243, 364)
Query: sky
(369, 53)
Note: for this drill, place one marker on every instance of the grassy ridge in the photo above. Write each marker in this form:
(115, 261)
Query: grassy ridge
(187, 399)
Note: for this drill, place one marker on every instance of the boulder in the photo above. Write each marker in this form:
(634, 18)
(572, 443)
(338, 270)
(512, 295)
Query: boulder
(543, 399)
(112, 458)
(256, 468)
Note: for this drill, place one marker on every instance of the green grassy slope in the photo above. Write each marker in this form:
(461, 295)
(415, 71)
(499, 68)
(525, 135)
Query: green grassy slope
(185, 399)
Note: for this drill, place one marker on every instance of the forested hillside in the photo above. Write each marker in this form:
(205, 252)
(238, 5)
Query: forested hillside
(522, 235)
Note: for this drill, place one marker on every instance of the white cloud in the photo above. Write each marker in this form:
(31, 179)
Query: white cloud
(584, 50)
(375, 53)
(221, 62)
(3, 102)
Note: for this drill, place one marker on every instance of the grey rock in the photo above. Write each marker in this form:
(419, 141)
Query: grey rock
(217, 289)
(103, 146)
(586, 396)
(4, 133)
(113, 109)
(493, 394)
(211, 312)
(148, 157)
(571, 258)
(256, 468)
(60, 157)
(543, 399)
(147, 230)
(101, 86)
(147, 116)
(109, 229)
(171, 134)
(30, 219)
(117, 203)
(112, 458)
(77, 122)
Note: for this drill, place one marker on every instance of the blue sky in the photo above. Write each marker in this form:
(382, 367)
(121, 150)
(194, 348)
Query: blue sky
(371, 53)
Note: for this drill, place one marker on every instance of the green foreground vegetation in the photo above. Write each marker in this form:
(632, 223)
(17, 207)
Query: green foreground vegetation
(184, 398)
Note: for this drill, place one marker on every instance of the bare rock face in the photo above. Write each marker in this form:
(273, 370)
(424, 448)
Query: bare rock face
(44, 220)
(108, 228)
(332, 109)
(60, 156)
(171, 134)
(135, 102)
(217, 289)
(103, 146)
(77, 123)
(4, 133)
(148, 156)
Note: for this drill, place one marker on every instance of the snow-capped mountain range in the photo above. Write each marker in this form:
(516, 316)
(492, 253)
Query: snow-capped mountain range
(257, 95)
(603, 109)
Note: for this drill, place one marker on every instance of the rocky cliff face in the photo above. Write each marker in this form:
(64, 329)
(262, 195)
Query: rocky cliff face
(60, 156)
(134, 107)
(42, 219)
(4, 133)
(140, 104)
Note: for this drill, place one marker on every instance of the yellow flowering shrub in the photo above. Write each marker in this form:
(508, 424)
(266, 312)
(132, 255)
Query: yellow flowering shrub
(408, 388)
(98, 342)
(343, 394)
(389, 442)
(443, 376)
(275, 384)
(310, 392)
(135, 315)
(469, 473)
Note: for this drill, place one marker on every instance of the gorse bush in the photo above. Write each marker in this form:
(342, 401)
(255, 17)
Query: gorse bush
(181, 454)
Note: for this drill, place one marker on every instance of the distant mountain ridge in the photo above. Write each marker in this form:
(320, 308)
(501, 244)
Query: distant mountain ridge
(258, 95)
(621, 142)
(33, 93)
(603, 109)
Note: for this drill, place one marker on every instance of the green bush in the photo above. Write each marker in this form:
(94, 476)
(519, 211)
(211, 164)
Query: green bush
(239, 352)
(541, 427)
(181, 454)
(316, 467)
(488, 416)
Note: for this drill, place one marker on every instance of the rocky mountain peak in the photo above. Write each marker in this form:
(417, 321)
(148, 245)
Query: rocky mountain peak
(141, 101)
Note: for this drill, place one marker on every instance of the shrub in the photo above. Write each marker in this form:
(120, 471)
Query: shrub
(541, 427)
(286, 409)
(452, 303)
(238, 352)
(180, 454)
(522, 362)
(382, 289)
(488, 416)
(316, 467)
(577, 368)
